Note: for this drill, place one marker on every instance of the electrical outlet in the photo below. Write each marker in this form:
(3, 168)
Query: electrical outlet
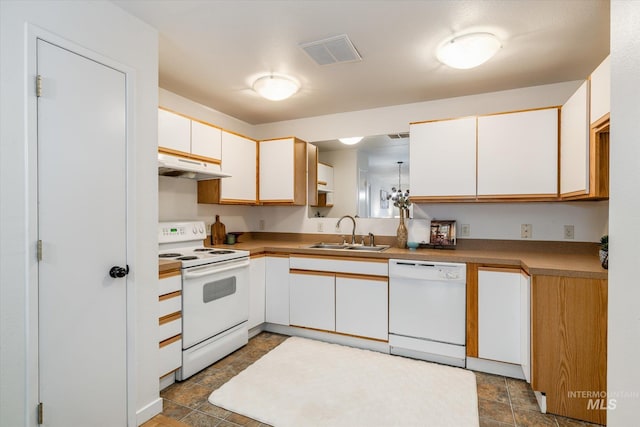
(261, 225)
(320, 226)
(465, 230)
(525, 231)
(569, 232)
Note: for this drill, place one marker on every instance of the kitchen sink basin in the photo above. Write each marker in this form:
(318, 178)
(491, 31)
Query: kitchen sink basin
(338, 246)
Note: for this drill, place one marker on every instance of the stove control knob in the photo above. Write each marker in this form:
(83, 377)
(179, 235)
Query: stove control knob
(118, 272)
(195, 230)
(201, 229)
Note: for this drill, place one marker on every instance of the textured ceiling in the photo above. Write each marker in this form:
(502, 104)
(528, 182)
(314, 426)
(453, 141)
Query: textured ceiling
(210, 51)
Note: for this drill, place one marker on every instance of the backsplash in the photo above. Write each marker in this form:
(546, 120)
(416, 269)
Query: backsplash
(178, 201)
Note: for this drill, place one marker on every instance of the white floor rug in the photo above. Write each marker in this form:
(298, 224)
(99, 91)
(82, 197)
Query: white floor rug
(304, 383)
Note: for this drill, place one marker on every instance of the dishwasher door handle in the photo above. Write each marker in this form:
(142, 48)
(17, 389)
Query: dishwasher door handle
(414, 264)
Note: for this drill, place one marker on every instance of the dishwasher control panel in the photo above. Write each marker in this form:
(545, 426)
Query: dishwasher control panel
(427, 270)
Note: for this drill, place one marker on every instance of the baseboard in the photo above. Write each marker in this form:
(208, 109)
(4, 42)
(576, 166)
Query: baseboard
(256, 330)
(494, 367)
(151, 410)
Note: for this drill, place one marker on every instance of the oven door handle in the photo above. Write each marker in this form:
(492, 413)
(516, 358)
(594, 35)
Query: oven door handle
(213, 270)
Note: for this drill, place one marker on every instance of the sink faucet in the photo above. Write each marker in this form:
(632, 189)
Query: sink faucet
(372, 241)
(353, 232)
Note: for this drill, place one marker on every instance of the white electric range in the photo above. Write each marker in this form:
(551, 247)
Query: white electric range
(215, 294)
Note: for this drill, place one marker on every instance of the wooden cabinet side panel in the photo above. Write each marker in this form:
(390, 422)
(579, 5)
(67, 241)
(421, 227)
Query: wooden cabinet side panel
(569, 338)
(472, 310)
(300, 172)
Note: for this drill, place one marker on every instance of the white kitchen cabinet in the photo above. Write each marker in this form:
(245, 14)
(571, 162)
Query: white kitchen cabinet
(169, 333)
(240, 161)
(525, 325)
(206, 140)
(180, 135)
(257, 291)
(174, 131)
(312, 299)
(282, 172)
(443, 159)
(518, 155)
(499, 315)
(574, 144)
(601, 91)
(277, 289)
(362, 306)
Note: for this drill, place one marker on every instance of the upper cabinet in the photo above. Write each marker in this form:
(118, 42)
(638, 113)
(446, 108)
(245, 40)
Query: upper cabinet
(518, 155)
(574, 146)
(320, 182)
(188, 138)
(283, 172)
(240, 160)
(601, 91)
(443, 160)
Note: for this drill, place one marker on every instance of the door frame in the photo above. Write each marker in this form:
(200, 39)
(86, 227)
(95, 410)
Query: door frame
(31, 146)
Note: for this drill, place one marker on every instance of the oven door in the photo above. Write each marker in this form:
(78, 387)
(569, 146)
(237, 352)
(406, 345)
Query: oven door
(215, 297)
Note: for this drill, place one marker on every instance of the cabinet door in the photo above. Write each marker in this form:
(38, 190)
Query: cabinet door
(257, 289)
(277, 289)
(362, 306)
(239, 160)
(518, 154)
(312, 300)
(174, 132)
(574, 144)
(601, 90)
(569, 344)
(206, 141)
(499, 315)
(443, 159)
(277, 170)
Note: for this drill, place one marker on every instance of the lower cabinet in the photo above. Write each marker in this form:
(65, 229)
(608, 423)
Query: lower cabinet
(169, 322)
(312, 299)
(277, 289)
(498, 337)
(336, 295)
(569, 345)
(257, 289)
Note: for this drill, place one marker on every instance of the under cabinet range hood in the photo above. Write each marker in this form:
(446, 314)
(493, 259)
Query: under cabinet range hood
(180, 167)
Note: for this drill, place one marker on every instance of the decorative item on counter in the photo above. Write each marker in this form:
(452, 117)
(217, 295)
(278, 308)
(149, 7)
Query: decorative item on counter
(443, 234)
(402, 202)
(413, 245)
(604, 251)
(232, 237)
(218, 232)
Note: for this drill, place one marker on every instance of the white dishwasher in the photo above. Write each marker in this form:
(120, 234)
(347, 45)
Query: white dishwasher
(427, 310)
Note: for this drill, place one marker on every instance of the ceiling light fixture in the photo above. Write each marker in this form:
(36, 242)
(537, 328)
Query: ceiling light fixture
(276, 87)
(351, 140)
(469, 50)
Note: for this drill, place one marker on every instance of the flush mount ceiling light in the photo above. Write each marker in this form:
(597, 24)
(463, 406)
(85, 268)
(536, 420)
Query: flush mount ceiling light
(351, 140)
(276, 87)
(469, 50)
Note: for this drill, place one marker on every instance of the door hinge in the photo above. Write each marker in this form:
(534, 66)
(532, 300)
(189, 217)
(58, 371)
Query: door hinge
(40, 413)
(39, 250)
(38, 86)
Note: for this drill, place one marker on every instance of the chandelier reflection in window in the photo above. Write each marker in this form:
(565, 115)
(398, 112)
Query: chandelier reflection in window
(399, 197)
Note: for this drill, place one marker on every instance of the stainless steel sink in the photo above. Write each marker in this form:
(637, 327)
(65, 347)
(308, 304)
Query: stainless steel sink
(328, 246)
(376, 248)
(338, 246)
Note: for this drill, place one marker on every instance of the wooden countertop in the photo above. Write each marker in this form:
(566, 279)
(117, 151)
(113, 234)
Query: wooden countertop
(536, 258)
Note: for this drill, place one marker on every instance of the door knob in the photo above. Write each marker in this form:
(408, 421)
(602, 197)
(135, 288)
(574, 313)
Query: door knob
(118, 272)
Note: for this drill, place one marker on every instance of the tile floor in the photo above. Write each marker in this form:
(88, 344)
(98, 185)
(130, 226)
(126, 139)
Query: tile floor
(502, 401)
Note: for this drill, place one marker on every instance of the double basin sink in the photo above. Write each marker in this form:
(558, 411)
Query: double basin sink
(348, 247)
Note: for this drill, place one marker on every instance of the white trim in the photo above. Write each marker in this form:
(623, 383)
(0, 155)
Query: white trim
(151, 410)
(494, 367)
(33, 33)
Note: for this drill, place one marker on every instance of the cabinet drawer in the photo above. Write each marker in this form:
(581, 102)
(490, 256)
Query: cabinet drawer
(169, 303)
(169, 326)
(340, 265)
(170, 284)
(170, 355)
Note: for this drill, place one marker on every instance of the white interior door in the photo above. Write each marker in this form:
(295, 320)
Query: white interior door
(82, 226)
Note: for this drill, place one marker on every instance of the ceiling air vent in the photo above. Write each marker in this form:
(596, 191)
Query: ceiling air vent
(398, 135)
(332, 50)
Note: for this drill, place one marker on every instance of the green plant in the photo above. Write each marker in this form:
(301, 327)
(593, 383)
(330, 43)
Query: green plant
(604, 243)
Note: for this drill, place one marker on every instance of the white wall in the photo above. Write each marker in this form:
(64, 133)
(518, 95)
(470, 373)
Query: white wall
(624, 291)
(487, 220)
(105, 29)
